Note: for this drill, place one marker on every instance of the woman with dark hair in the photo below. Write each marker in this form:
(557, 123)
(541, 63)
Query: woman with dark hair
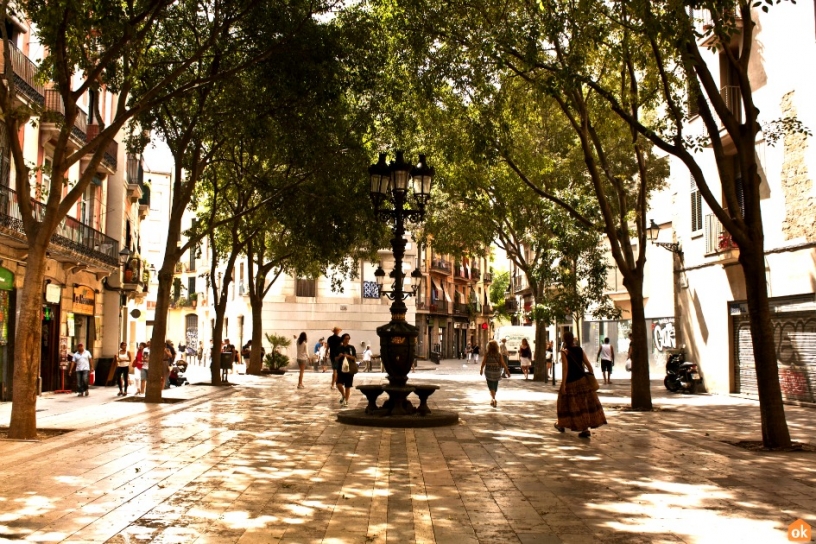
(302, 357)
(578, 406)
(492, 368)
(345, 380)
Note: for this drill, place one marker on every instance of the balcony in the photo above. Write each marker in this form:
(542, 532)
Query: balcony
(25, 74)
(488, 277)
(511, 305)
(704, 24)
(73, 236)
(487, 310)
(420, 305)
(54, 105)
(111, 157)
(460, 308)
(719, 242)
(520, 283)
(475, 273)
(460, 272)
(441, 265)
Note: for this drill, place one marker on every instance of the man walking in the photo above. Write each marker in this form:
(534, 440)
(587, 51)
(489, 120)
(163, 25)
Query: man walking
(607, 355)
(82, 365)
(334, 342)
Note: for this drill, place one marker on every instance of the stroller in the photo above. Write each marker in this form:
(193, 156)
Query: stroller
(177, 377)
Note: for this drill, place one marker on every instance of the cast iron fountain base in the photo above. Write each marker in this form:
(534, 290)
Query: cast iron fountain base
(398, 411)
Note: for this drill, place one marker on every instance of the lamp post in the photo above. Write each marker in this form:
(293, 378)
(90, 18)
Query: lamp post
(391, 188)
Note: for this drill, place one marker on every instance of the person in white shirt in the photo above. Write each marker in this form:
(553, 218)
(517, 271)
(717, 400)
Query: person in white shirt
(607, 355)
(367, 358)
(82, 364)
(145, 366)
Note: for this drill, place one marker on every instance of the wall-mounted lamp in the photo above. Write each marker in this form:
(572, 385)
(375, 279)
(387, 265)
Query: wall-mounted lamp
(654, 231)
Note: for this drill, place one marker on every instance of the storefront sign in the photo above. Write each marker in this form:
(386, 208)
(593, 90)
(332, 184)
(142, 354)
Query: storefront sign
(6, 279)
(53, 293)
(69, 321)
(84, 300)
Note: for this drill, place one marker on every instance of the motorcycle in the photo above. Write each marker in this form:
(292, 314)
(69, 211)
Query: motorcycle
(681, 374)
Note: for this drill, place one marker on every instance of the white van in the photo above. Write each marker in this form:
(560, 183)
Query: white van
(514, 334)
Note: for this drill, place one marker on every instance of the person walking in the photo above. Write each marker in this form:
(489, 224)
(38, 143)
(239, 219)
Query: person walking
(606, 353)
(334, 342)
(505, 353)
(323, 355)
(145, 367)
(82, 364)
(476, 351)
(525, 358)
(345, 380)
(367, 359)
(302, 357)
(492, 367)
(469, 352)
(138, 363)
(123, 361)
(317, 346)
(577, 406)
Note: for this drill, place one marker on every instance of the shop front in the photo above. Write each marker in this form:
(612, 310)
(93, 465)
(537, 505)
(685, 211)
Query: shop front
(794, 325)
(6, 330)
(50, 372)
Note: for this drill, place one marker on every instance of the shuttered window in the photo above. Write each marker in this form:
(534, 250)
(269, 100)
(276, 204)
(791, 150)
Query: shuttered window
(696, 208)
(305, 287)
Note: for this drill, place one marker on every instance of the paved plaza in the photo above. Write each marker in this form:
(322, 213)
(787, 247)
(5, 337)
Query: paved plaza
(263, 462)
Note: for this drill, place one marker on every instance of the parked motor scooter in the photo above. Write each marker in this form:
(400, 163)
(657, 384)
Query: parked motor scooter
(681, 374)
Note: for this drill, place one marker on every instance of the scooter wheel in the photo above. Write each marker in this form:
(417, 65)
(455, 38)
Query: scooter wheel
(671, 384)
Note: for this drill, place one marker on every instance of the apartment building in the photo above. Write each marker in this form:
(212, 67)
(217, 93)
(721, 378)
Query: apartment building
(453, 304)
(711, 293)
(102, 230)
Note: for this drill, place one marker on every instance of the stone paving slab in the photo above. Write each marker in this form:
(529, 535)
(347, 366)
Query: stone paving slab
(267, 463)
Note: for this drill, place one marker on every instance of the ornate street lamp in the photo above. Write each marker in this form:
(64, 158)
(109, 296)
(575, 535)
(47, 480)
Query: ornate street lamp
(399, 193)
(654, 231)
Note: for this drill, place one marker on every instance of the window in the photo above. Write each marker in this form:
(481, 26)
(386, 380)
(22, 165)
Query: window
(305, 287)
(696, 208)
(191, 285)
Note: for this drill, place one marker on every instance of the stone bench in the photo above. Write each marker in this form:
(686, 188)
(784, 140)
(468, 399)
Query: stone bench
(423, 392)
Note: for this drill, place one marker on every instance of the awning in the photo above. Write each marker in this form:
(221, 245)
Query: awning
(447, 296)
(436, 285)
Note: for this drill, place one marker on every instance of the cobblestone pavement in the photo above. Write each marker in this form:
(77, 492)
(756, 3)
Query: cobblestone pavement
(265, 462)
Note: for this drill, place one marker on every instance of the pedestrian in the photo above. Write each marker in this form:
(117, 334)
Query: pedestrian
(228, 362)
(246, 353)
(323, 355)
(138, 364)
(505, 353)
(550, 361)
(200, 354)
(302, 357)
(367, 359)
(82, 364)
(578, 406)
(334, 342)
(606, 353)
(123, 361)
(346, 354)
(476, 351)
(182, 350)
(493, 366)
(169, 357)
(469, 352)
(525, 358)
(145, 367)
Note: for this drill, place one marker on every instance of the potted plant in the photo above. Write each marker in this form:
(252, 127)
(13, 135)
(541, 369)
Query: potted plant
(275, 361)
(193, 298)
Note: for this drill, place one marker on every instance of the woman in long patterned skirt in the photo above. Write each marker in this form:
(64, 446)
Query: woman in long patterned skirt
(578, 406)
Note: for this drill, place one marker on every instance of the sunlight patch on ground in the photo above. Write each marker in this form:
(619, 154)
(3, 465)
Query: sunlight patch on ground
(242, 520)
(48, 537)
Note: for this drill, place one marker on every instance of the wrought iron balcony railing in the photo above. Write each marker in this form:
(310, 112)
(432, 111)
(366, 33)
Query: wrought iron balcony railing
(440, 265)
(71, 233)
(54, 104)
(25, 74)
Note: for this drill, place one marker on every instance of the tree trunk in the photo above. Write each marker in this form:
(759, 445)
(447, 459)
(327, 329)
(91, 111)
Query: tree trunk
(217, 335)
(155, 372)
(255, 360)
(540, 356)
(775, 432)
(27, 342)
(641, 388)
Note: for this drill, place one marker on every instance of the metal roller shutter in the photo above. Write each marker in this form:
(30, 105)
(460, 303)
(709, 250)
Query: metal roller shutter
(795, 336)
